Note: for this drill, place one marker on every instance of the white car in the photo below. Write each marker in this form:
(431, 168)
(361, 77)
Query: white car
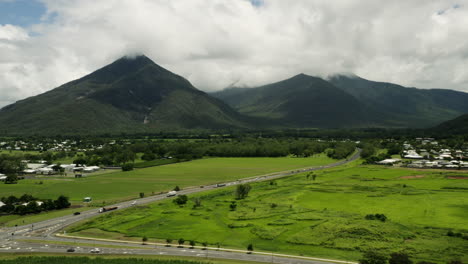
(95, 250)
(133, 203)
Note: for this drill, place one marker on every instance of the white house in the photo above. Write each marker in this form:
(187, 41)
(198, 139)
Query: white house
(389, 161)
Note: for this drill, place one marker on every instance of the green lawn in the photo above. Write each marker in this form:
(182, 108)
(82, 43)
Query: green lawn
(118, 186)
(322, 218)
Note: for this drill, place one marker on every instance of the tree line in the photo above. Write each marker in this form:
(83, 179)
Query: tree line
(28, 204)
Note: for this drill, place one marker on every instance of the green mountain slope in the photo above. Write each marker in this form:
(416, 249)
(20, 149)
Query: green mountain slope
(404, 107)
(458, 125)
(301, 101)
(130, 95)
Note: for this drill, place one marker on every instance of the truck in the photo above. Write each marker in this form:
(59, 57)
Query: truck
(171, 193)
(107, 209)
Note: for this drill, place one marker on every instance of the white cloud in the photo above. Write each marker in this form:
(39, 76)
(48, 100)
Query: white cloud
(215, 43)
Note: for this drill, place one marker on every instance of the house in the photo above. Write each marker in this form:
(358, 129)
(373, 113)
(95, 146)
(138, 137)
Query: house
(2, 204)
(35, 166)
(412, 154)
(3, 177)
(389, 161)
(46, 171)
(91, 169)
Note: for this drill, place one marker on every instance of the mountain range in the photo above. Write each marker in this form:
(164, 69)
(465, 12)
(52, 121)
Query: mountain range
(135, 95)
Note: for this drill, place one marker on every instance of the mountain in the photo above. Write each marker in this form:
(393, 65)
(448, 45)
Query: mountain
(458, 125)
(400, 106)
(346, 101)
(130, 95)
(301, 101)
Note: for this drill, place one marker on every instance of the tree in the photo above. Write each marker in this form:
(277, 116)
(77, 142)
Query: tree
(204, 244)
(168, 241)
(192, 243)
(181, 200)
(127, 167)
(11, 179)
(373, 257)
(144, 239)
(181, 241)
(142, 194)
(242, 191)
(177, 189)
(250, 248)
(399, 258)
(62, 202)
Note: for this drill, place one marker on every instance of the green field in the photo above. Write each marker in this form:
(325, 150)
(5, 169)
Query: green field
(118, 186)
(321, 218)
(43, 258)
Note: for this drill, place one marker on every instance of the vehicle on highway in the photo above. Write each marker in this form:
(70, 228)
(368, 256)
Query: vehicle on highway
(71, 250)
(76, 213)
(220, 185)
(107, 209)
(95, 250)
(133, 203)
(171, 193)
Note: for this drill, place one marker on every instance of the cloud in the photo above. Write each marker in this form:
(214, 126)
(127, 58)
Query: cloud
(217, 43)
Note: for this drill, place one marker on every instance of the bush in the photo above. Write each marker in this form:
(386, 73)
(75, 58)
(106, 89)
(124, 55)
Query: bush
(380, 217)
(242, 191)
(373, 257)
(127, 167)
(233, 206)
(181, 200)
(399, 258)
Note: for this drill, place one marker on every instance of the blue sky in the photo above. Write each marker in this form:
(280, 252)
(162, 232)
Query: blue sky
(21, 12)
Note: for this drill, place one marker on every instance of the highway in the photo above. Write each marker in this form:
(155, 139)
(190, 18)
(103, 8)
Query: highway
(12, 239)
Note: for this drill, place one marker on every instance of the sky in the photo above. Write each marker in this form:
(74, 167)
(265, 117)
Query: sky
(221, 43)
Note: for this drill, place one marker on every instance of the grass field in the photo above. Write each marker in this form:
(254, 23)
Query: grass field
(9, 257)
(118, 186)
(322, 218)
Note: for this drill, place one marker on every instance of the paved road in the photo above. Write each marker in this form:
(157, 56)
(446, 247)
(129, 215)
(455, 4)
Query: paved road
(10, 238)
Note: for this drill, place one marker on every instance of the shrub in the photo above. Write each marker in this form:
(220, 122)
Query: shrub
(181, 200)
(242, 191)
(399, 258)
(233, 206)
(127, 167)
(250, 247)
(380, 217)
(373, 257)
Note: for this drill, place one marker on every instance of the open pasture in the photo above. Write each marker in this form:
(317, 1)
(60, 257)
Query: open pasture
(112, 187)
(322, 218)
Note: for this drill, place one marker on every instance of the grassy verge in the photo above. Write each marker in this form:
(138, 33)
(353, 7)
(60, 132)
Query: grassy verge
(15, 256)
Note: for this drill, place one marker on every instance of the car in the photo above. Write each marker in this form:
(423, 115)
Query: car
(133, 203)
(76, 213)
(95, 250)
(71, 250)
